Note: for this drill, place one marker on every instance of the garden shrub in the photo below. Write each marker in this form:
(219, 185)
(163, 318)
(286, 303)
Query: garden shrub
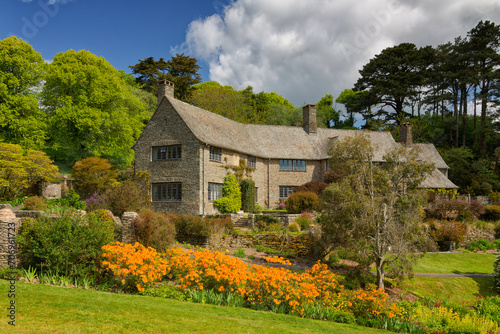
(126, 196)
(293, 227)
(446, 209)
(154, 229)
(93, 175)
(497, 232)
(482, 245)
(95, 202)
(476, 208)
(316, 187)
(247, 195)
(303, 201)
(262, 221)
(68, 246)
(449, 231)
(495, 198)
(35, 203)
(231, 196)
(191, 226)
(71, 200)
(491, 212)
(304, 220)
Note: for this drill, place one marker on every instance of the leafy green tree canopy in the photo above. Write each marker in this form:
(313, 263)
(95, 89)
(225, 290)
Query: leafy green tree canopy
(93, 111)
(183, 72)
(148, 72)
(21, 73)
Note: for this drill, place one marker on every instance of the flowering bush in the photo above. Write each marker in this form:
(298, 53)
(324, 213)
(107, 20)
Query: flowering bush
(134, 266)
(272, 288)
(95, 202)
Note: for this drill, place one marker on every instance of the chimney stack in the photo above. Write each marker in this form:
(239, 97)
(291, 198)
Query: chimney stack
(165, 88)
(405, 135)
(309, 122)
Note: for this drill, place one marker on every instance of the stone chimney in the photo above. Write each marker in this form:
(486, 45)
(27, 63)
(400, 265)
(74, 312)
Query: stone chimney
(165, 88)
(309, 122)
(405, 135)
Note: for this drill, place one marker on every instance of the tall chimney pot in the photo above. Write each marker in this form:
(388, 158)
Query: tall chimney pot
(405, 133)
(165, 88)
(309, 122)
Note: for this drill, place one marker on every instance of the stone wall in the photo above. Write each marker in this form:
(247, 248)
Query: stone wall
(166, 127)
(9, 227)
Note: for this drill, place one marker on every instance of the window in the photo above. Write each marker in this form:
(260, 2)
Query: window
(286, 191)
(215, 154)
(214, 191)
(292, 165)
(327, 165)
(171, 152)
(256, 195)
(251, 161)
(167, 191)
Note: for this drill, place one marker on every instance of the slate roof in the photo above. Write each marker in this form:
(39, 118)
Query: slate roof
(292, 142)
(429, 153)
(270, 141)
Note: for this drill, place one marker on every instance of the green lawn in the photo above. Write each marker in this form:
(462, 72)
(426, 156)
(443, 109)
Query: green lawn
(451, 288)
(456, 263)
(47, 309)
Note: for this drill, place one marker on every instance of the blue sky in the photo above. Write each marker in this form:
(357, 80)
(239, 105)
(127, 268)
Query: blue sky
(299, 49)
(120, 31)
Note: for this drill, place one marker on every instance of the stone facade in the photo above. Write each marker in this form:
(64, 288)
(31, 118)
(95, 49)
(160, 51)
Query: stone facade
(191, 167)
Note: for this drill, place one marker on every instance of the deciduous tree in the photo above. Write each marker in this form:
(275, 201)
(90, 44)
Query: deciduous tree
(371, 211)
(21, 73)
(91, 108)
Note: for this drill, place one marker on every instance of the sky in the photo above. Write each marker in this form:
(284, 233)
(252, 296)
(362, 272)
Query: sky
(301, 49)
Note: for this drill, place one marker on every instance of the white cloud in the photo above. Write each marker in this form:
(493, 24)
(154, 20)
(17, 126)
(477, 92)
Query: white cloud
(306, 49)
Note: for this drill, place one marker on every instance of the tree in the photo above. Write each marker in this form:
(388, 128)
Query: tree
(392, 78)
(21, 73)
(372, 211)
(231, 196)
(221, 100)
(93, 175)
(326, 113)
(92, 110)
(149, 71)
(484, 39)
(18, 172)
(183, 72)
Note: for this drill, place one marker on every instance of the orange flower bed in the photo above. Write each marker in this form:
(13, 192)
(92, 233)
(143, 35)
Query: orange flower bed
(134, 266)
(272, 287)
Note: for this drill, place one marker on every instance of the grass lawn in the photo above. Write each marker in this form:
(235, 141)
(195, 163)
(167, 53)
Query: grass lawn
(456, 263)
(48, 309)
(452, 288)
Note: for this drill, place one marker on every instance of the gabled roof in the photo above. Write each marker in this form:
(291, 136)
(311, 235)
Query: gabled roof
(270, 141)
(437, 180)
(427, 152)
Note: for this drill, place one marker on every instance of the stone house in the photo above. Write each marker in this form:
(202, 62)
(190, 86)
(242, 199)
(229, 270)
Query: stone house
(188, 151)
